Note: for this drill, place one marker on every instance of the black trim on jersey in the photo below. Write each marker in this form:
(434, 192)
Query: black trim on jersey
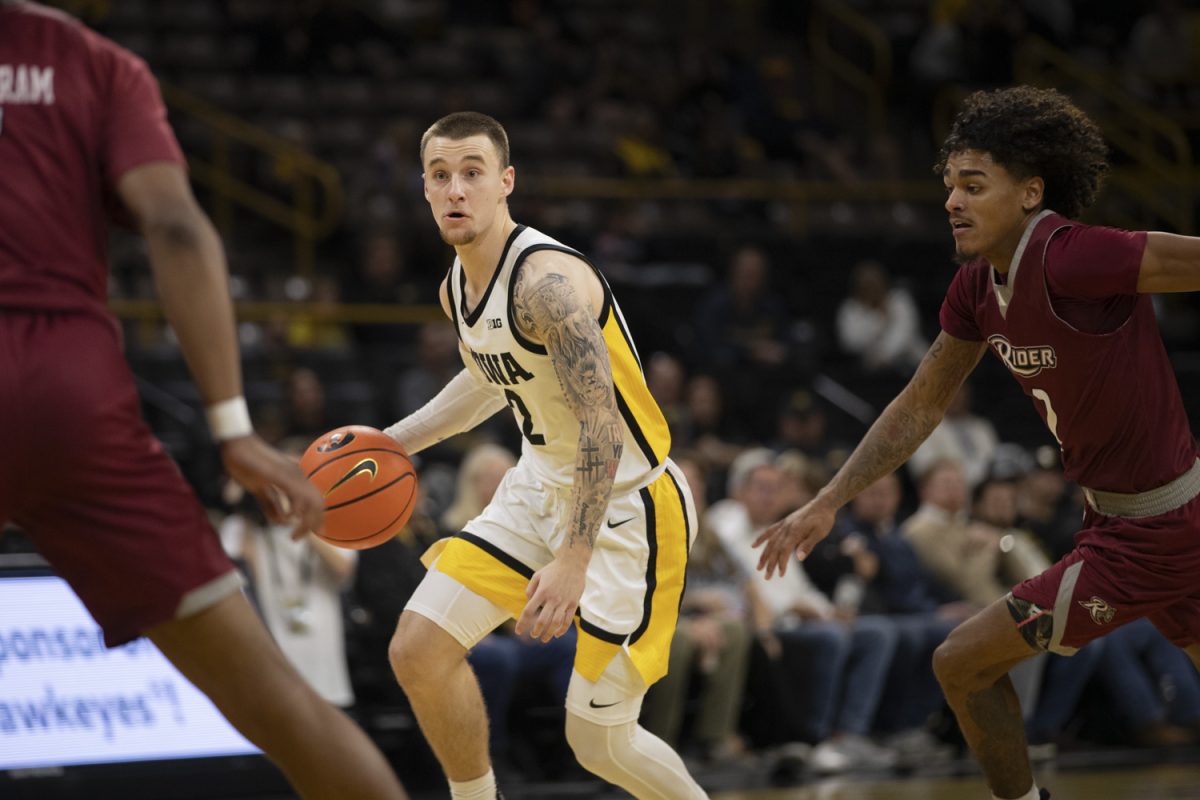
(520, 568)
(629, 342)
(687, 532)
(600, 633)
(453, 305)
(496, 553)
(610, 307)
(634, 429)
(607, 307)
(651, 565)
(471, 317)
(512, 282)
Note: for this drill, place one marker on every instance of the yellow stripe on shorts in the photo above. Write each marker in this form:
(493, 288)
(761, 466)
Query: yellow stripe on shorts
(485, 570)
(649, 645)
(490, 572)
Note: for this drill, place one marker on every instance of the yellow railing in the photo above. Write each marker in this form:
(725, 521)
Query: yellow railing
(89, 10)
(1160, 176)
(313, 204)
(312, 201)
(799, 194)
(728, 189)
(835, 70)
(338, 313)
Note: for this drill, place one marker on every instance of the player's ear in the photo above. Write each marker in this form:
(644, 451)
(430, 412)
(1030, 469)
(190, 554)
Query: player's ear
(508, 180)
(425, 185)
(1033, 193)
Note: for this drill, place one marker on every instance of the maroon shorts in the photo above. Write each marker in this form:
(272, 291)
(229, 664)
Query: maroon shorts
(1121, 570)
(81, 472)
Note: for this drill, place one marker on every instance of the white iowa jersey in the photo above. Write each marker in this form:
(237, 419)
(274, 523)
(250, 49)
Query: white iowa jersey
(494, 350)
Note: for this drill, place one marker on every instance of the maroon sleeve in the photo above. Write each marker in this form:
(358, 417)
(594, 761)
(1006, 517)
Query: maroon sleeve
(135, 127)
(958, 309)
(1088, 262)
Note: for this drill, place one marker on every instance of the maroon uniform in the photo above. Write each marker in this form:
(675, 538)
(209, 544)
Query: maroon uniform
(1068, 323)
(80, 470)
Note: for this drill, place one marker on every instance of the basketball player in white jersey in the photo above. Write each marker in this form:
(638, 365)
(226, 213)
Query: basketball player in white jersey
(592, 526)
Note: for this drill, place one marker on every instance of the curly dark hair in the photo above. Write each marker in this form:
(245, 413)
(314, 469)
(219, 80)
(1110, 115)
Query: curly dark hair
(1034, 132)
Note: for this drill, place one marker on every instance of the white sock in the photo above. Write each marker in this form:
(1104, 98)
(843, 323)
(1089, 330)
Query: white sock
(1032, 794)
(482, 788)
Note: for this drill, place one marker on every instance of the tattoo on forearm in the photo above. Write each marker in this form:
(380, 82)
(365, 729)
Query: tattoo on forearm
(910, 418)
(550, 310)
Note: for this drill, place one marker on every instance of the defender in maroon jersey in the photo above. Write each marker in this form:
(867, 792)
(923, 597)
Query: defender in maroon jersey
(1065, 307)
(83, 131)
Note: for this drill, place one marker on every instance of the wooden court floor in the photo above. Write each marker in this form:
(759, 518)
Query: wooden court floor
(1163, 782)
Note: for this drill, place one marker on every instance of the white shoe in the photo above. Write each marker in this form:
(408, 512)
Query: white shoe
(827, 758)
(865, 754)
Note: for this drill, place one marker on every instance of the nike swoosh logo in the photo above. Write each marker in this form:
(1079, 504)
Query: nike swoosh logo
(366, 465)
(612, 524)
(594, 704)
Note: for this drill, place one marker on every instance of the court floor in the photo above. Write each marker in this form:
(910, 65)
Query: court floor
(1162, 782)
(1111, 776)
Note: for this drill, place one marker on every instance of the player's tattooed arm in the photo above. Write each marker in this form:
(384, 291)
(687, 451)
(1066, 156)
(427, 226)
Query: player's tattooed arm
(549, 309)
(909, 419)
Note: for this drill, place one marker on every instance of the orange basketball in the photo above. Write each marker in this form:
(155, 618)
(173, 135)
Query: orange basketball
(369, 485)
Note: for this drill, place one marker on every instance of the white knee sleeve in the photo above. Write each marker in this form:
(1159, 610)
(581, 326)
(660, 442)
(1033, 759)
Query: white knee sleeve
(631, 757)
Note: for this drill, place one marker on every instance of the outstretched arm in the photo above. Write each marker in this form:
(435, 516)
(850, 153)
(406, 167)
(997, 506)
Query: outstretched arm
(552, 302)
(190, 273)
(902, 426)
(1170, 263)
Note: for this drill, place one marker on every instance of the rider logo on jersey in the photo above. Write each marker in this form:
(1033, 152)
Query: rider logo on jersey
(1025, 362)
(1102, 613)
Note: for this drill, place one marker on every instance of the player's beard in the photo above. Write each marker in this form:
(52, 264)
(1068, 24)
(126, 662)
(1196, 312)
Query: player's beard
(460, 237)
(963, 256)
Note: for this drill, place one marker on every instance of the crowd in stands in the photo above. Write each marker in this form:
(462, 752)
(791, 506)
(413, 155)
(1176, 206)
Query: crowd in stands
(824, 670)
(771, 333)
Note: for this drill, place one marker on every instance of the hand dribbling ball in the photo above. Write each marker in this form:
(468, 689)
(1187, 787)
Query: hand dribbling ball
(368, 482)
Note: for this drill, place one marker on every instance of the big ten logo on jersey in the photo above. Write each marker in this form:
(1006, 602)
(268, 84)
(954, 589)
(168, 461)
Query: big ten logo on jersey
(1025, 362)
(502, 369)
(495, 323)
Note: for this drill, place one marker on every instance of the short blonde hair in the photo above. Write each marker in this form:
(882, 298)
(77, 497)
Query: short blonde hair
(465, 124)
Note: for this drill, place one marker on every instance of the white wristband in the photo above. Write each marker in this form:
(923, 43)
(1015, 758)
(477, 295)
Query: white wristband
(229, 419)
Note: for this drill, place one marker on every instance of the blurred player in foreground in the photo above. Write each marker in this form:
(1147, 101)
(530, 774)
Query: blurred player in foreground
(83, 131)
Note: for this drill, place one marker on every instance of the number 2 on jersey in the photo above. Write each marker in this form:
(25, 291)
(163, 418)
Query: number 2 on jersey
(1051, 417)
(515, 401)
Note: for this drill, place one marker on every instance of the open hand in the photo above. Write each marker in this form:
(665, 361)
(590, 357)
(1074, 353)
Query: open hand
(553, 593)
(797, 533)
(275, 481)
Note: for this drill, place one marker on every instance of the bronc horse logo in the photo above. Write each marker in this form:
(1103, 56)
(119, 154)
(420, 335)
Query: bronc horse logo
(1102, 613)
